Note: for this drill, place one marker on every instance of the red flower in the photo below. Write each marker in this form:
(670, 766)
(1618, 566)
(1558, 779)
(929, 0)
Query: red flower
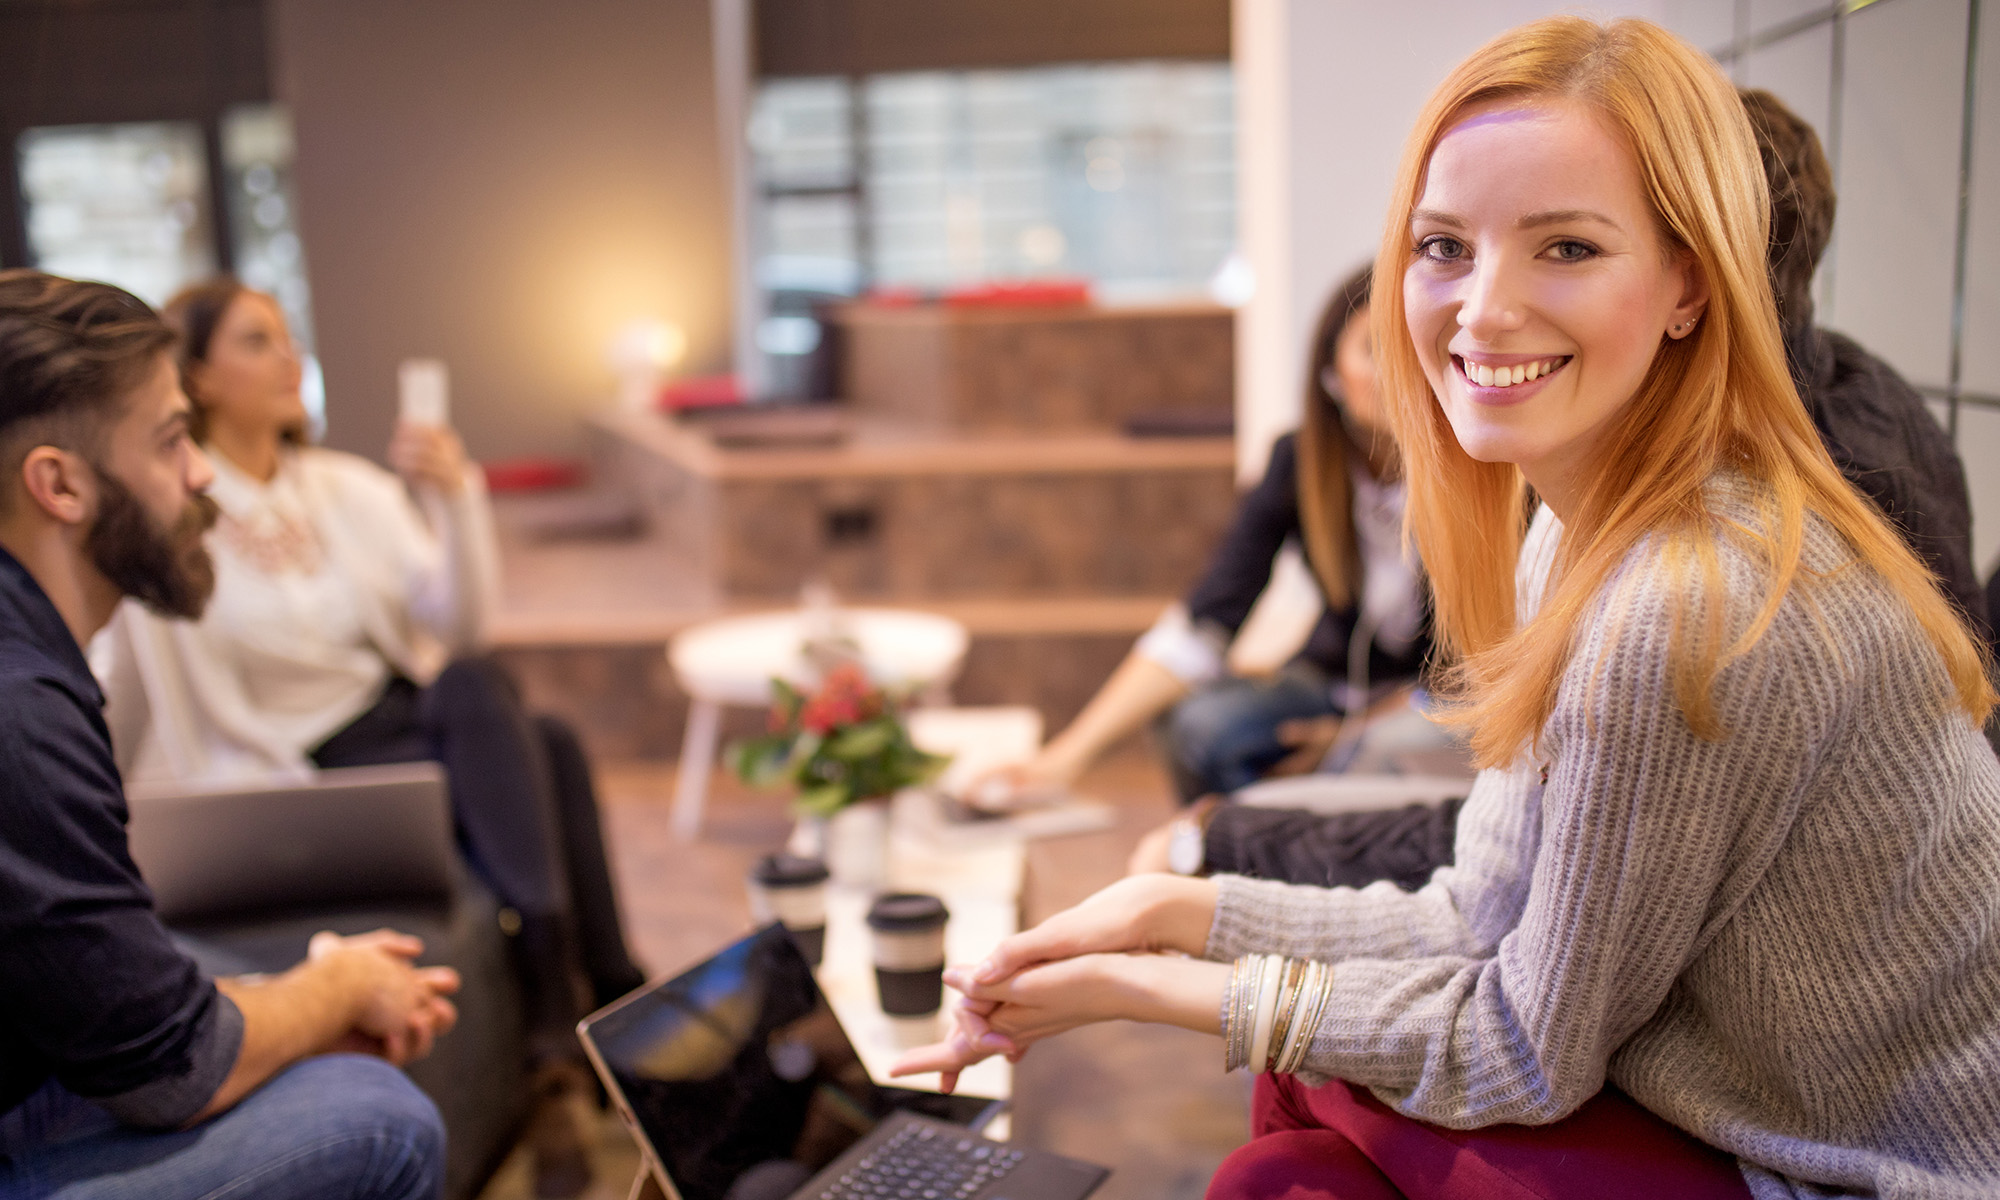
(824, 713)
(846, 680)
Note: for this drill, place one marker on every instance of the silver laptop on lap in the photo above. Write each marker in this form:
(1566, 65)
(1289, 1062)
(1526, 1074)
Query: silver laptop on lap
(739, 1084)
(353, 836)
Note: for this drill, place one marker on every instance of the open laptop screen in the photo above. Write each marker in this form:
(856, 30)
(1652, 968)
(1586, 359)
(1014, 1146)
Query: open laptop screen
(739, 1062)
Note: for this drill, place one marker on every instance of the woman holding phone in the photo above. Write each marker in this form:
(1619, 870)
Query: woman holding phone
(349, 606)
(1725, 913)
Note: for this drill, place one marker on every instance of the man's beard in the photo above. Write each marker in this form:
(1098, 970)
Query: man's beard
(167, 570)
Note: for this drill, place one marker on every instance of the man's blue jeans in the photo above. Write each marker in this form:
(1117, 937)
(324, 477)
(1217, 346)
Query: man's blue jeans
(339, 1127)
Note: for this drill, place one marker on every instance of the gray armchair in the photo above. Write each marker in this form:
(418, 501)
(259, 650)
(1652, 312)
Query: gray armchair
(476, 1075)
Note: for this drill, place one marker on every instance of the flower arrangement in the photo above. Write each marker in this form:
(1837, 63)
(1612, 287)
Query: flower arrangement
(841, 743)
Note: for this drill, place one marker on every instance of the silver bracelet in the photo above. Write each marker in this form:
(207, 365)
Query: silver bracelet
(1286, 1038)
(1322, 995)
(1232, 1018)
(1291, 991)
(1245, 983)
(1270, 980)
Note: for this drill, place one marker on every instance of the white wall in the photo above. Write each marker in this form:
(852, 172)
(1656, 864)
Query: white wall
(1329, 89)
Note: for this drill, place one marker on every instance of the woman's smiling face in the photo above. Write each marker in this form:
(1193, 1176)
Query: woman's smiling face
(1539, 287)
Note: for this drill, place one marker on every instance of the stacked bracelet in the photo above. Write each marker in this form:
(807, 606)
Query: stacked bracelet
(1288, 1007)
(1235, 1030)
(1271, 1010)
(1313, 992)
(1270, 981)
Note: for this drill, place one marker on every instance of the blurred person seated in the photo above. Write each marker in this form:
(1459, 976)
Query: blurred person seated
(341, 590)
(123, 1070)
(1335, 487)
(1874, 425)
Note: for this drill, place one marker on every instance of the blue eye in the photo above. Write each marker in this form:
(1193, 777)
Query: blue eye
(1441, 248)
(1571, 250)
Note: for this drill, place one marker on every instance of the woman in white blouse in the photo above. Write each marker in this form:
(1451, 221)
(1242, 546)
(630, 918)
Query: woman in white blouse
(347, 602)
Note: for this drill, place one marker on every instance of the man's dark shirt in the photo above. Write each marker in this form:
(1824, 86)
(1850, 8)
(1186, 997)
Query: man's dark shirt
(92, 991)
(1884, 439)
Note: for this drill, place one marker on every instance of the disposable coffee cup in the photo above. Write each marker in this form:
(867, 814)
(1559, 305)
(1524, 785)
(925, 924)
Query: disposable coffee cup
(908, 929)
(791, 890)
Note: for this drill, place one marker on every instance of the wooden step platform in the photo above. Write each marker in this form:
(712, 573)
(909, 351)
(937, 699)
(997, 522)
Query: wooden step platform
(897, 516)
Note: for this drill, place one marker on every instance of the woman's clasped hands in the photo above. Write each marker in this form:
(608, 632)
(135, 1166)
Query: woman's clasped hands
(1118, 955)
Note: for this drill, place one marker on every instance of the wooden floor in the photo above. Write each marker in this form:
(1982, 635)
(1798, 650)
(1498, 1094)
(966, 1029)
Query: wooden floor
(1150, 1102)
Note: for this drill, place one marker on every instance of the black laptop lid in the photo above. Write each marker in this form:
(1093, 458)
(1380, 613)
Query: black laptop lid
(738, 1062)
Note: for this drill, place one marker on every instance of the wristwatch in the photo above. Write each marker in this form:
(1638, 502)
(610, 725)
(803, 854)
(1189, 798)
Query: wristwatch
(1187, 845)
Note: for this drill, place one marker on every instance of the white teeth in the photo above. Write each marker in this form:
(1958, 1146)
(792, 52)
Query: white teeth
(1500, 377)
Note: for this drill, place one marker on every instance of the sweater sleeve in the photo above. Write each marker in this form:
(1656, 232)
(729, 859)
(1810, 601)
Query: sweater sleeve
(454, 592)
(1648, 838)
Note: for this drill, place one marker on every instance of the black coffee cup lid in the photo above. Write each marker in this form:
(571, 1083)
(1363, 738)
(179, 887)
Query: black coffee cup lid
(788, 870)
(906, 912)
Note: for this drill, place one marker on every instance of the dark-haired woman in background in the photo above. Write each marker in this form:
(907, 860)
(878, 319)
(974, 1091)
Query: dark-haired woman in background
(342, 591)
(1333, 487)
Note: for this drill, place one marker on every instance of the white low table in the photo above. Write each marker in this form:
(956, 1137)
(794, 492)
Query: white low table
(980, 886)
(978, 874)
(733, 661)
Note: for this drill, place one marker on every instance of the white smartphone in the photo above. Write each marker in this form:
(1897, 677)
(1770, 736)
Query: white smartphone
(425, 392)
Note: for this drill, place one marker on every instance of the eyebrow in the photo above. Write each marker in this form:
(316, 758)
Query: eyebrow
(1563, 216)
(1432, 216)
(180, 416)
(1535, 220)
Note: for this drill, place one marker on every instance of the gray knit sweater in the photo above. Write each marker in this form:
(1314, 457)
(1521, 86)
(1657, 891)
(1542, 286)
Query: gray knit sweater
(1786, 942)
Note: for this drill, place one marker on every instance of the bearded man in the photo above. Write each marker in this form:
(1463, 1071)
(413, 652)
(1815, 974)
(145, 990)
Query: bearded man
(124, 1071)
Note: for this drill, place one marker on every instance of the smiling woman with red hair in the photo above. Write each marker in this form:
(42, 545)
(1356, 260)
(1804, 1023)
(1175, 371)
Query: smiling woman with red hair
(1725, 912)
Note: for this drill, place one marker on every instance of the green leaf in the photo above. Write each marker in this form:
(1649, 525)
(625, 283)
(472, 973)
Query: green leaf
(929, 766)
(824, 800)
(803, 750)
(865, 740)
(759, 761)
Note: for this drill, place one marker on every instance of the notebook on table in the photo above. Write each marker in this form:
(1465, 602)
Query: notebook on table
(739, 1083)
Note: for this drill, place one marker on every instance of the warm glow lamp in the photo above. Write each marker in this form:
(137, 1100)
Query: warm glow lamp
(641, 354)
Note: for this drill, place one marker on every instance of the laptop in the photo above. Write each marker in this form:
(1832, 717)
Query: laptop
(351, 836)
(739, 1084)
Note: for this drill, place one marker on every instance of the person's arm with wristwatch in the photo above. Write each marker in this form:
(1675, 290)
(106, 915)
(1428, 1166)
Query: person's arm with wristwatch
(1179, 846)
(1217, 837)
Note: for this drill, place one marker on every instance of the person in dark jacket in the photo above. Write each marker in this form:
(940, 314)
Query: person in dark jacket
(123, 1068)
(1877, 430)
(1333, 487)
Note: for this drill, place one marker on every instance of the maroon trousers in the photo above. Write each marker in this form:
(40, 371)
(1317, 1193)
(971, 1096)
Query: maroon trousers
(1339, 1142)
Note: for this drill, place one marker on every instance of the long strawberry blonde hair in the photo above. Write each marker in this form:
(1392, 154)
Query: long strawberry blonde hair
(1720, 397)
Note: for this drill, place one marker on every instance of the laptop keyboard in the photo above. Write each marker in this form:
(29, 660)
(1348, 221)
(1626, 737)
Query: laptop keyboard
(920, 1162)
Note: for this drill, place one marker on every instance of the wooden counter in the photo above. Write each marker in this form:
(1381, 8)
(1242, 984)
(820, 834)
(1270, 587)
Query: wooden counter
(1036, 370)
(914, 516)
